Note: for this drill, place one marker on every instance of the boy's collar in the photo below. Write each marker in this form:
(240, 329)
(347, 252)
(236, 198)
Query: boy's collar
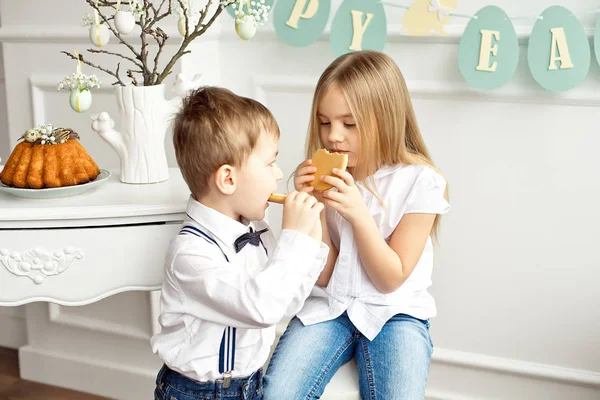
(221, 227)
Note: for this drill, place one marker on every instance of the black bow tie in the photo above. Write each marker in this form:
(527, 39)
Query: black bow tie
(249, 237)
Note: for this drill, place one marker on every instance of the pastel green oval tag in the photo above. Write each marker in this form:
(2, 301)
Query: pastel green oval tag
(597, 41)
(300, 22)
(559, 52)
(231, 9)
(358, 25)
(488, 52)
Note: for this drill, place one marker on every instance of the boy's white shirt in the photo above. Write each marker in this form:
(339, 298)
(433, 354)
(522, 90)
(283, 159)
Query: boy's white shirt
(203, 293)
(403, 189)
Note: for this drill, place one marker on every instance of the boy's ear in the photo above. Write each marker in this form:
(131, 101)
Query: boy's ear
(225, 179)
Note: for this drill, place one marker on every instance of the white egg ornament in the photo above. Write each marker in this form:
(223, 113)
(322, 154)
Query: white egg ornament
(80, 100)
(246, 28)
(124, 22)
(181, 26)
(99, 35)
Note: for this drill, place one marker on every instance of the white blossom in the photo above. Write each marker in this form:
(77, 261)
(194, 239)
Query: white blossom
(44, 133)
(136, 7)
(258, 13)
(79, 81)
(87, 20)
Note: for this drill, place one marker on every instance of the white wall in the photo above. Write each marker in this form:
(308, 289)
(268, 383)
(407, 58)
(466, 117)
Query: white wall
(12, 333)
(4, 145)
(517, 270)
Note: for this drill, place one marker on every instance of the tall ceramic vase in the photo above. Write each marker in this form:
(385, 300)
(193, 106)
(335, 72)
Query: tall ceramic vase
(145, 116)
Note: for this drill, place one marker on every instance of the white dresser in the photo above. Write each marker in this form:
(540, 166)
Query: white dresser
(78, 250)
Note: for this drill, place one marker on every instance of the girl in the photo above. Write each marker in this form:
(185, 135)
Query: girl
(371, 300)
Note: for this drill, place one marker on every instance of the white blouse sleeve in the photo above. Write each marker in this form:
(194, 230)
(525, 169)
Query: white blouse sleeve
(427, 194)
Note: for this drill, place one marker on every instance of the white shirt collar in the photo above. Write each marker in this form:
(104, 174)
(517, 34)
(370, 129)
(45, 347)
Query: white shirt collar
(223, 228)
(381, 172)
(386, 170)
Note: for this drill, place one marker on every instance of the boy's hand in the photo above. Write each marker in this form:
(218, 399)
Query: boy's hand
(304, 175)
(301, 213)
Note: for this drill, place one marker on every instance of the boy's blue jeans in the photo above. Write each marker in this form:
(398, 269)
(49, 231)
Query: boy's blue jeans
(171, 385)
(394, 366)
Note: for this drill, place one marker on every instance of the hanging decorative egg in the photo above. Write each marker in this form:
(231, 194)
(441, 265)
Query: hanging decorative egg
(99, 35)
(246, 28)
(124, 22)
(181, 26)
(80, 100)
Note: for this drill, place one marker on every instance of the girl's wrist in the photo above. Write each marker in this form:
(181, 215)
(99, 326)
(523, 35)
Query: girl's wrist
(361, 220)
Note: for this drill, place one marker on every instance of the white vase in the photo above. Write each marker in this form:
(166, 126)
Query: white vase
(145, 117)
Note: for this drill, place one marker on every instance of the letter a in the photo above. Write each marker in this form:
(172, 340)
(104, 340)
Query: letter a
(559, 42)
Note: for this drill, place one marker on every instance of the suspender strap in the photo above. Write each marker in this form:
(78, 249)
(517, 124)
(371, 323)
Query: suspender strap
(227, 351)
(192, 230)
(227, 348)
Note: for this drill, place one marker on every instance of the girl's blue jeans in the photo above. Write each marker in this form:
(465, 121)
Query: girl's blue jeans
(394, 366)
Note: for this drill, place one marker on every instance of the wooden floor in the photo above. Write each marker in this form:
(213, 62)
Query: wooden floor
(14, 388)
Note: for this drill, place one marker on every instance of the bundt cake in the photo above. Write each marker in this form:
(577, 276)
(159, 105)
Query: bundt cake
(48, 158)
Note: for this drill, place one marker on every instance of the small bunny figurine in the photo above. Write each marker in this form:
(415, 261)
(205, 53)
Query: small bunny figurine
(425, 16)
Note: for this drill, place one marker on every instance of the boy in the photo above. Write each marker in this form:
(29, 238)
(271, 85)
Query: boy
(227, 281)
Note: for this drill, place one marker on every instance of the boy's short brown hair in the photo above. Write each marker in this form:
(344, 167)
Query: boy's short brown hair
(216, 127)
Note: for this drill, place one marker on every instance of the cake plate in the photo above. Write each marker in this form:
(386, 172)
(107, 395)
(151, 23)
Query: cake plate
(53, 193)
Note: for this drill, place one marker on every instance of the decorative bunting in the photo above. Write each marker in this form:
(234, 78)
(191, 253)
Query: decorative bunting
(488, 52)
(559, 51)
(300, 22)
(426, 16)
(358, 25)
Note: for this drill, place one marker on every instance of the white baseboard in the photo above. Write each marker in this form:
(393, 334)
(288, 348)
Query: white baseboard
(516, 367)
(454, 376)
(99, 377)
(461, 375)
(13, 330)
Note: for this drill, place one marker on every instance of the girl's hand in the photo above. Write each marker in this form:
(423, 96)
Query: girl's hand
(347, 201)
(305, 175)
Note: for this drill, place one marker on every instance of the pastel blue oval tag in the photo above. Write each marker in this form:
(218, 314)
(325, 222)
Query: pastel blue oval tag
(559, 52)
(299, 23)
(488, 52)
(358, 25)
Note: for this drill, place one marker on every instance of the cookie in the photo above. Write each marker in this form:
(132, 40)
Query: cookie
(325, 163)
(277, 198)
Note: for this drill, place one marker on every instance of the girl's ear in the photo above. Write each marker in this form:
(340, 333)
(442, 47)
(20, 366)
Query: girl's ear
(225, 179)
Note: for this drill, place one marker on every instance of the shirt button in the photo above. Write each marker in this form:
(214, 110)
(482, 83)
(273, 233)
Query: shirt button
(344, 258)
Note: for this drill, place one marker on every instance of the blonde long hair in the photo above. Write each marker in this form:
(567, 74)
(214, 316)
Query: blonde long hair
(380, 104)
